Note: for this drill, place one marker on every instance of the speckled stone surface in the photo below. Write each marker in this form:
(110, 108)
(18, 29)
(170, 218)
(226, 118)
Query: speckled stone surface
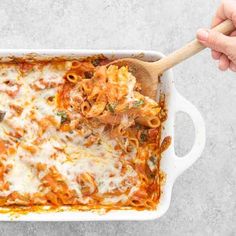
(204, 197)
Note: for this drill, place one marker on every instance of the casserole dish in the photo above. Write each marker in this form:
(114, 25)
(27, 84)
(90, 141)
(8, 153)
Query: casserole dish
(171, 165)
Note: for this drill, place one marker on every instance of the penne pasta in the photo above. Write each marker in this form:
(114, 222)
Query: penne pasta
(73, 77)
(96, 109)
(118, 131)
(86, 87)
(80, 135)
(134, 142)
(75, 64)
(152, 122)
(85, 108)
(87, 183)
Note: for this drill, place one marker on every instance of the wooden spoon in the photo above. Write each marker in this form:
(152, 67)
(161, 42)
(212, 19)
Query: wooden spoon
(147, 73)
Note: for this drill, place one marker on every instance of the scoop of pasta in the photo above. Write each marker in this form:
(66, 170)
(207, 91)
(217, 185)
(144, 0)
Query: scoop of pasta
(113, 97)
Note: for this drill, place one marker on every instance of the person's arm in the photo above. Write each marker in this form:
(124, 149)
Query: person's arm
(223, 47)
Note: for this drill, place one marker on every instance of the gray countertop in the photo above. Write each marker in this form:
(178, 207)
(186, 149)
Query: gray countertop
(204, 197)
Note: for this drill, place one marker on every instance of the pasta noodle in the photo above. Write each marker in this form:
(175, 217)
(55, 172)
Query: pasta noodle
(75, 64)
(85, 108)
(152, 122)
(80, 134)
(73, 77)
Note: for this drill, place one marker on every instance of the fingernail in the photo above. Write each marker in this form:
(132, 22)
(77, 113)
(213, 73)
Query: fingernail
(202, 34)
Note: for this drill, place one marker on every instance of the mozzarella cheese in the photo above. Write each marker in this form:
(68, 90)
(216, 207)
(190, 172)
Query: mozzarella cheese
(64, 150)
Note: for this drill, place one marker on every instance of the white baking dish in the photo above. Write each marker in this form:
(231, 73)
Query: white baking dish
(171, 164)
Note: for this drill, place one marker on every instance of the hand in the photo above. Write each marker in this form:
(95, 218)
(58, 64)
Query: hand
(223, 47)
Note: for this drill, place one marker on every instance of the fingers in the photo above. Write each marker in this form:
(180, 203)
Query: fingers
(215, 55)
(227, 10)
(224, 62)
(219, 16)
(223, 47)
(214, 40)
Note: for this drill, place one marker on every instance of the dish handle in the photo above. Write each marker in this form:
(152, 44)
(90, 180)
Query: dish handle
(183, 163)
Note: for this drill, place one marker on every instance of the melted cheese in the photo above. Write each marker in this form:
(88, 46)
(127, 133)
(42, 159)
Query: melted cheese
(4, 87)
(22, 177)
(8, 73)
(64, 150)
(131, 83)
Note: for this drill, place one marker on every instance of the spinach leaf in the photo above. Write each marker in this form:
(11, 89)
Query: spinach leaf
(2, 115)
(111, 107)
(143, 137)
(138, 103)
(63, 116)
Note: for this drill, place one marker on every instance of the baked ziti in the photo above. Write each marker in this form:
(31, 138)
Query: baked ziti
(78, 133)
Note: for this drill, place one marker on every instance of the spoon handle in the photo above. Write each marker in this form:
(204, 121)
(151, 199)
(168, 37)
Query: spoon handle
(190, 49)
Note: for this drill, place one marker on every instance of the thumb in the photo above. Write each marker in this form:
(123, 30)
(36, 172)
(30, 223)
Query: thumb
(214, 40)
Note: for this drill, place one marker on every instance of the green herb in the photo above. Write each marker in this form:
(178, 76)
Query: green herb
(96, 62)
(2, 115)
(152, 162)
(111, 107)
(63, 116)
(138, 103)
(153, 159)
(138, 126)
(143, 137)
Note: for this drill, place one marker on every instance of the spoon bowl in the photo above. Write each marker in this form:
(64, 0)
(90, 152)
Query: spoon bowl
(143, 72)
(148, 73)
